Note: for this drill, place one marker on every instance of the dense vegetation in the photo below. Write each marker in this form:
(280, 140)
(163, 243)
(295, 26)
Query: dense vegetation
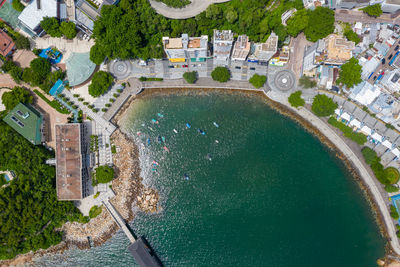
(54, 104)
(101, 81)
(295, 99)
(18, 94)
(315, 24)
(393, 212)
(95, 211)
(348, 132)
(323, 106)
(258, 80)
(388, 176)
(53, 28)
(39, 69)
(30, 212)
(350, 73)
(373, 11)
(133, 29)
(350, 34)
(307, 82)
(221, 74)
(17, 5)
(3, 180)
(190, 76)
(175, 3)
(13, 69)
(104, 174)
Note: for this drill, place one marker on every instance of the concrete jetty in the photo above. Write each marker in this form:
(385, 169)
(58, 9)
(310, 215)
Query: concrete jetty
(139, 248)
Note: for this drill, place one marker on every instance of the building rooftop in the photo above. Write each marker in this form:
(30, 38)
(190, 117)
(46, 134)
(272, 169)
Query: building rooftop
(79, 68)
(271, 44)
(6, 43)
(27, 121)
(224, 35)
(68, 161)
(31, 16)
(173, 43)
(339, 50)
(241, 48)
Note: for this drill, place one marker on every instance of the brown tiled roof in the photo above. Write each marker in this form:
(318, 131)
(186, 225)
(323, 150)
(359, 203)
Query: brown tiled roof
(68, 162)
(6, 43)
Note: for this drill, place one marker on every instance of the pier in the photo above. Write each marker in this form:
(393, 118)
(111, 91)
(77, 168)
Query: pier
(139, 248)
(118, 219)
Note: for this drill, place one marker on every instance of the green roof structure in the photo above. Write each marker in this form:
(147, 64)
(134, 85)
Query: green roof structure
(27, 121)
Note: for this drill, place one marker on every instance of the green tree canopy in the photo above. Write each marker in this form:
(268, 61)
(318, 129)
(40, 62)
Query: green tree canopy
(68, 29)
(221, 74)
(95, 211)
(38, 72)
(21, 42)
(104, 174)
(307, 82)
(15, 71)
(298, 22)
(351, 36)
(101, 81)
(51, 26)
(97, 54)
(322, 21)
(295, 99)
(373, 11)
(190, 76)
(17, 5)
(133, 29)
(30, 211)
(350, 73)
(19, 94)
(258, 80)
(323, 106)
(369, 155)
(393, 212)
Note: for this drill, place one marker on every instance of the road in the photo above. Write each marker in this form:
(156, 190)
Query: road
(384, 67)
(359, 16)
(189, 11)
(297, 48)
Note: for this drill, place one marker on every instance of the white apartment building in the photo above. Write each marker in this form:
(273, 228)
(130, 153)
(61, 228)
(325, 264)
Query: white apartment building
(222, 44)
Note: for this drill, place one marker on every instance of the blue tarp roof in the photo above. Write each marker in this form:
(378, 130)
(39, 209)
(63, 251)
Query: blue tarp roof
(57, 88)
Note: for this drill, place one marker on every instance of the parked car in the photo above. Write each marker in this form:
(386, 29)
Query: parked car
(237, 67)
(252, 68)
(171, 66)
(396, 48)
(184, 66)
(390, 57)
(383, 61)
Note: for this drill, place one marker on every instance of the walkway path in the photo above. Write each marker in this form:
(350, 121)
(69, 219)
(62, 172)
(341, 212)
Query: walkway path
(118, 219)
(66, 46)
(189, 11)
(369, 181)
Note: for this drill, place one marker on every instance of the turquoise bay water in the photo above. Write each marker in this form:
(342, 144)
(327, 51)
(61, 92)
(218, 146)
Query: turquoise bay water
(271, 195)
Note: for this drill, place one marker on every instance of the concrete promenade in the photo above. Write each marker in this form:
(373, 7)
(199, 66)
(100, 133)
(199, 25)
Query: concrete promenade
(369, 181)
(189, 11)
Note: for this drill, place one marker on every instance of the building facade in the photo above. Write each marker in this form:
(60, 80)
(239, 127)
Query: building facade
(186, 48)
(222, 44)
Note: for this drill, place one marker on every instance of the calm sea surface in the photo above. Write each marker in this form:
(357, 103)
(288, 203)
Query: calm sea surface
(261, 191)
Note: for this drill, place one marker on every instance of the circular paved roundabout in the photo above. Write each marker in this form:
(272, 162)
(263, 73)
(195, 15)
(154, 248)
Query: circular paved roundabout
(120, 69)
(284, 80)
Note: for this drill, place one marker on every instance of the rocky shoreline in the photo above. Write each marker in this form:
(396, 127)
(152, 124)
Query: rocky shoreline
(129, 192)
